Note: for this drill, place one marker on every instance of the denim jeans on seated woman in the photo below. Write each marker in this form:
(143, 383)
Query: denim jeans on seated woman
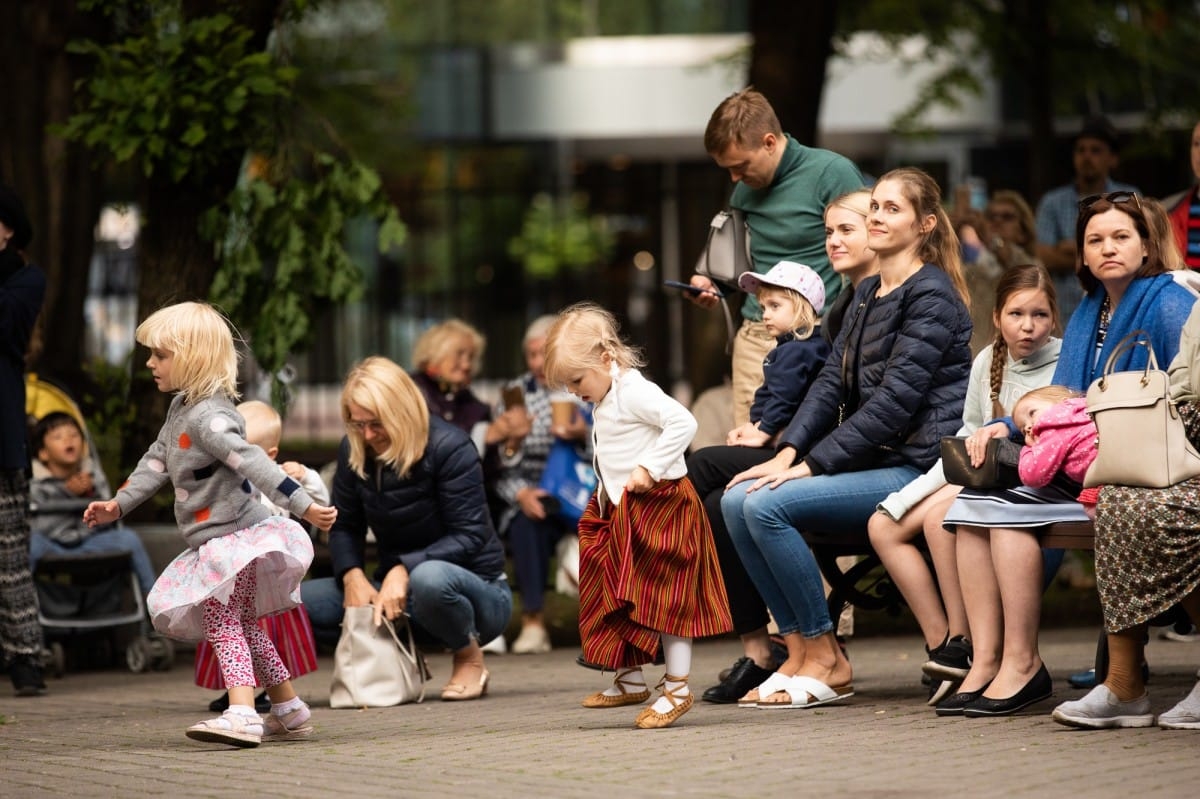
(765, 528)
(450, 603)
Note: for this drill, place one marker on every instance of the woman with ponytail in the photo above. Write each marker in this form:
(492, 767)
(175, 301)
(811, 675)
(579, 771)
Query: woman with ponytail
(872, 422)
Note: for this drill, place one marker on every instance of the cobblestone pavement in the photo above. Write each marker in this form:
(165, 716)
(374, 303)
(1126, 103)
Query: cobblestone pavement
(112, 733)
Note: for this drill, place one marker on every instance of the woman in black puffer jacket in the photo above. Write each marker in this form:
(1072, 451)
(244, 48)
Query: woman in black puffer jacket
(416, 482)
(872, 421)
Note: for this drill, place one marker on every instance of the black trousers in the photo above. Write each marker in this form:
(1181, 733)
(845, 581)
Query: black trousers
(710, 470)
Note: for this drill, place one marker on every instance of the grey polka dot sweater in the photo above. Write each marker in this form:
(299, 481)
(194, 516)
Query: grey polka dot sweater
(202, 450)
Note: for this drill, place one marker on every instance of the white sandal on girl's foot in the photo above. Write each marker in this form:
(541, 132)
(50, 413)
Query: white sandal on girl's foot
(288, 727)
(230, 728)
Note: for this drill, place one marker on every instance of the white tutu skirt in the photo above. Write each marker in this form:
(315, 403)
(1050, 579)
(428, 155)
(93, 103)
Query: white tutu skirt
(277, 547)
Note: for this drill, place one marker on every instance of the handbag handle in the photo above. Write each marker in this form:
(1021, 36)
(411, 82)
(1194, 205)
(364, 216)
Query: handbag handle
(409, 651)
(1136, 338)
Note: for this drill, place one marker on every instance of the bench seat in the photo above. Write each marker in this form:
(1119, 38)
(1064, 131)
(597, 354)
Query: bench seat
(864, 585)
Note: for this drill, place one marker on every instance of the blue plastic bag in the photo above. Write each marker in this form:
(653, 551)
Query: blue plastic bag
(568, 478)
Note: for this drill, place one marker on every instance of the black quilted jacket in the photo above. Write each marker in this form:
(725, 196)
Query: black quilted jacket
(906, 369)
(438, 512)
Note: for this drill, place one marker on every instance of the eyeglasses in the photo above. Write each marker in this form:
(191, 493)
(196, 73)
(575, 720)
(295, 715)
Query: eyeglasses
(374, 425)
(1114, 197)
(1001, 216)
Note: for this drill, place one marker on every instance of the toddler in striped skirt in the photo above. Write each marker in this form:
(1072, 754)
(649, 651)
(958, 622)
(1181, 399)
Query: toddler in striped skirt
(648, 576)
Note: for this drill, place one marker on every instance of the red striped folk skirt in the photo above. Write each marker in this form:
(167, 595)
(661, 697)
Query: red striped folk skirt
(649, 568)
(290, 631)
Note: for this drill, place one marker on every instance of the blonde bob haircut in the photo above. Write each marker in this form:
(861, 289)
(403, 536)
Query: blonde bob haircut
(1051, 393)
(380, 387)
(579, 340)
(200, 339)
(438, 343)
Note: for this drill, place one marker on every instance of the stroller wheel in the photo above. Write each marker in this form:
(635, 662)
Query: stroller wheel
(136, 656)
(54, 659)
(162, 653)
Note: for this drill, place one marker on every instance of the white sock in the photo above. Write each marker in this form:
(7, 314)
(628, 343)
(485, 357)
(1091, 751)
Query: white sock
(283, 708)
(253, 720)
(633, 682)
(677, 653)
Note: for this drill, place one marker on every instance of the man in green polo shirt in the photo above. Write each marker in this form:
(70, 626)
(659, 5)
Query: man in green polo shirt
(782, 187)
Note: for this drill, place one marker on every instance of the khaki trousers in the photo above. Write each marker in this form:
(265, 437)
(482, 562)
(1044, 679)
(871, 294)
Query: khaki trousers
(750, 345)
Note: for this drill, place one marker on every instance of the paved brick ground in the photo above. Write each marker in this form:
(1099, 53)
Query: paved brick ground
(112, 733)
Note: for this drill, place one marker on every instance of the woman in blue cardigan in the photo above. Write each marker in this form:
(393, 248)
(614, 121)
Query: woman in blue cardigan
(999, 558)
(871, 422)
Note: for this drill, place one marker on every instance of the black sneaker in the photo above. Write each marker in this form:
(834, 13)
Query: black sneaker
(939, 689)
(744, 677)
(951, 660)
(262, 703)
(26, 676)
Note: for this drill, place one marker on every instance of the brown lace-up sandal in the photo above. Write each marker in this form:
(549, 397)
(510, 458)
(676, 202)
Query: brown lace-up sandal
(650, 719)
(600, 699)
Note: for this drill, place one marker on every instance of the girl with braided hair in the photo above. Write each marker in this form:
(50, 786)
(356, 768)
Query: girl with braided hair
(1022, 357)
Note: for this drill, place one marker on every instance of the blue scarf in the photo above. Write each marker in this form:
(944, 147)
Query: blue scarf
(1078, 365)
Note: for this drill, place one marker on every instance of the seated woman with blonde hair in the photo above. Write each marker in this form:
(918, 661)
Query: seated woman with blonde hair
(416, 482)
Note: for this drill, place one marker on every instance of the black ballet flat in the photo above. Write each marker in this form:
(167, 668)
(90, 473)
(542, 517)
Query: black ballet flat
(1039, 688)
(954, 705)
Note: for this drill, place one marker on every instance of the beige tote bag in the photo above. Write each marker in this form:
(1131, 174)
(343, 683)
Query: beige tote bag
(373, 666)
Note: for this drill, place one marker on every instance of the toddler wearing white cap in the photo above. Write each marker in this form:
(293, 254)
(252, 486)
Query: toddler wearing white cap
(792, 296)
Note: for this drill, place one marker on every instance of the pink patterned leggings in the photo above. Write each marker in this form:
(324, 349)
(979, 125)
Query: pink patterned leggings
(244, 652)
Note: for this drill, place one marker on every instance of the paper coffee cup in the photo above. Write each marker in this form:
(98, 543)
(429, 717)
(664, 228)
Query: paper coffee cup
(562, 411)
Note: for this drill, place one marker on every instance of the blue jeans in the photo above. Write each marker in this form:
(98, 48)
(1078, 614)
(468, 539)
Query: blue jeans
(449, 603)
(114, 539)
(765, 528)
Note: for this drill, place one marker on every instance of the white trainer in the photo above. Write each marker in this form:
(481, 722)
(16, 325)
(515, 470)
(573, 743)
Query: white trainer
(1100, 709)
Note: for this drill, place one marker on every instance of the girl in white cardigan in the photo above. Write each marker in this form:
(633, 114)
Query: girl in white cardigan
(648, 575)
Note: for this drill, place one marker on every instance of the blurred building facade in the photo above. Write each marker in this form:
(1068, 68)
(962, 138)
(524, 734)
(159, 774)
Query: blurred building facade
(619, 121)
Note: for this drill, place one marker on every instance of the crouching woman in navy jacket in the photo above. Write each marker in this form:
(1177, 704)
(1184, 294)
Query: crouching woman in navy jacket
(416, 482)
(872, 421)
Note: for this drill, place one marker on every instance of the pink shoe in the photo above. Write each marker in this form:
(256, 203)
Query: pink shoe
(278, 729)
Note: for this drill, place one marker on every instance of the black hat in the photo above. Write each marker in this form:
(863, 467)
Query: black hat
(1098, 127)
(12, 213)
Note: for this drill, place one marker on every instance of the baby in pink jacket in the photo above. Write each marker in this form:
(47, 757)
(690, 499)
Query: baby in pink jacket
(1060, 436)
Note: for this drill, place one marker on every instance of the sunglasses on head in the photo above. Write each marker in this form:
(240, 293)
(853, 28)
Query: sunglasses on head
(1114, 197)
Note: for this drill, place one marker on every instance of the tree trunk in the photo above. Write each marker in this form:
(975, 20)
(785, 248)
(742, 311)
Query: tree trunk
(1030, 17)
(60, 189)
(792, 44)
(175, 264)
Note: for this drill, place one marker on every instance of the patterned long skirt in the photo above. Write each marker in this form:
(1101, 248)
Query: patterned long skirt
(1148, 545)
(648, 568)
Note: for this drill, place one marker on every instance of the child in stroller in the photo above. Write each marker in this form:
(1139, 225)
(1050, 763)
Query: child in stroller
(65, 480)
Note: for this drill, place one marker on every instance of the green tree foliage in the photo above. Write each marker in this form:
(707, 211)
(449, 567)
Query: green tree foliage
(179, 97)
(1091, 56)
(282, 251)
(558, 235)
(1053, 58)
(189, 94)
